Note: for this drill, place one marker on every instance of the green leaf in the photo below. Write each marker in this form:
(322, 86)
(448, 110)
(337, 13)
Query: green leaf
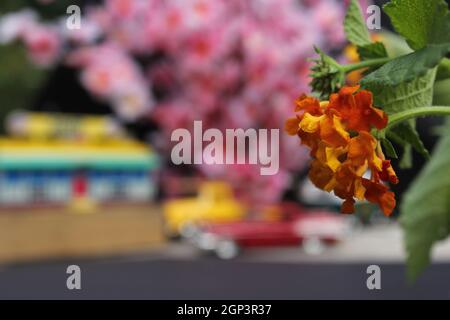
(406, 161)
(441, 96)
(389, 148)
(395, 44)
(404, 96)
(426, 27)
(407, 133)
(407, 67)
(425, 211)
(354, 25)
(372, 51)
(443, 70)
(420, 22)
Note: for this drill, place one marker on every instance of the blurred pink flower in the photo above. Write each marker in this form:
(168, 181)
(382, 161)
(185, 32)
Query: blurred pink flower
(14, 25)
(229, 63)
(111, 74)
(326, 13)
(43, 45)
(42, 41)
(252, 188)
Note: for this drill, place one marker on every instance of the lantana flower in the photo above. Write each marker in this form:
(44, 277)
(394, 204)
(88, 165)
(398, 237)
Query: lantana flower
(338, 132)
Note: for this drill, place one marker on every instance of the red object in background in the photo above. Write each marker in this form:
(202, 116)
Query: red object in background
(294, 227)
(79, 186)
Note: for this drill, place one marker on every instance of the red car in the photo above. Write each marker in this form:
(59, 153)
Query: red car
(294, 227)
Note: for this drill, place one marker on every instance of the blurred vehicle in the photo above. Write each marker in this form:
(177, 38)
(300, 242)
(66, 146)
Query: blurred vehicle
(312, 230)
(51, 159)
(215, 203)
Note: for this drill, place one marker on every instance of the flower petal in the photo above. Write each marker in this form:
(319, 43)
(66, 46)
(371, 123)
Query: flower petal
(388, 173)
(310, 123)
(333, 133)
(320, 175)
(378, 193)
(308, 104)
(292, 126)
(348, 206)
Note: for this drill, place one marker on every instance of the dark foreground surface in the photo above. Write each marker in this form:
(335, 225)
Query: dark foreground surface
(122, 278)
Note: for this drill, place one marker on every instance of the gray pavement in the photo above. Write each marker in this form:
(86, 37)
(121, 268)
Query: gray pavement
(181, 272)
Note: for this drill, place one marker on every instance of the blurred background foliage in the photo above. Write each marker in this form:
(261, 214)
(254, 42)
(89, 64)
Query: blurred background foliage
(19, 78)
(49, 11)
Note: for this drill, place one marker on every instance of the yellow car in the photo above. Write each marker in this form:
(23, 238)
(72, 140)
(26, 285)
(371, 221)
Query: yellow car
(215, 203)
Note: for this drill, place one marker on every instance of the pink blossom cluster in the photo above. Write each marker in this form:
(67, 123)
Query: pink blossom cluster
(230, 63)
(42, 41)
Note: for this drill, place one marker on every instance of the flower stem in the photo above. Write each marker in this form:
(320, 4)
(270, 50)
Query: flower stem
(399, 117)
(365, 64)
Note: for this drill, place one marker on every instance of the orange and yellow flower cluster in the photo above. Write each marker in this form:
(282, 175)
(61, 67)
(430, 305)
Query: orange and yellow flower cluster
(342, 148)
